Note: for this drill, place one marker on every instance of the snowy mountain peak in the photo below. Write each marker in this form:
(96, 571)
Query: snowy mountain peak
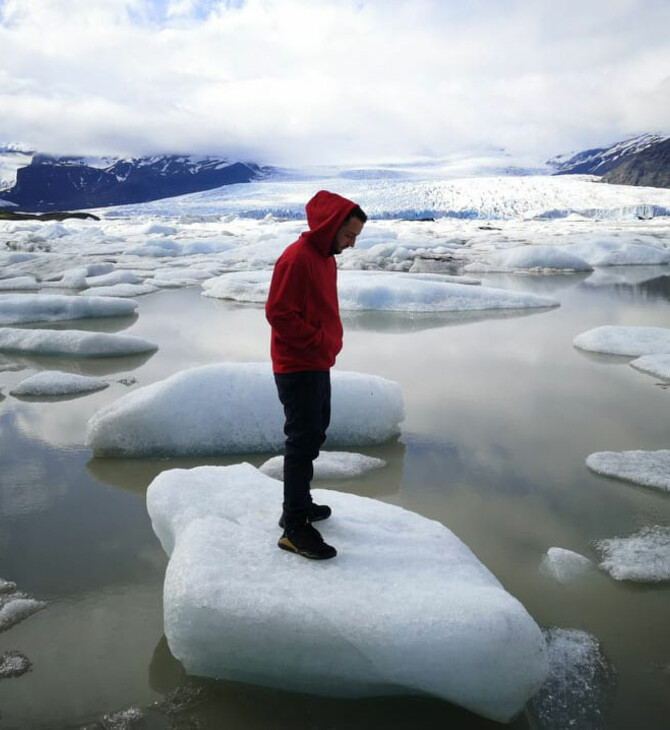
(599, 160)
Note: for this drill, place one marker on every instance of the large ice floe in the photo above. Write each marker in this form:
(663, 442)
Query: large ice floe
(379, 619)
(329, 465)
(22, 308)
(233, 408)
(383, 291)
(74, 343)
(647, 468)
(537, 259)
(626, 341)
(618, 253)
(643, 557)
(56, 383)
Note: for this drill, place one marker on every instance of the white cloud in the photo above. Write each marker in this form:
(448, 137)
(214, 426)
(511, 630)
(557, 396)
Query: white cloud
(285, 81)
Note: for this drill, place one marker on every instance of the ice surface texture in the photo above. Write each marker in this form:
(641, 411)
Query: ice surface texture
(404, 608)
(329, 465)
(21, 308)
(73, 343)
(648, 468)
(234, 408)
(627, 341)
(381, 291)
(643, 557)
(532, 258)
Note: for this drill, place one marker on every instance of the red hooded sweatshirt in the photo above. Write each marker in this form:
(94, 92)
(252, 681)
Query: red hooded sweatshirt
(302, 306)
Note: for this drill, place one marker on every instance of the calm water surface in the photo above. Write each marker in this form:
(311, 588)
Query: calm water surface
(501, 414)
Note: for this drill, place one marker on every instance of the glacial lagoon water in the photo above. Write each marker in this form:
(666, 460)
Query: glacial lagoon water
(502, 412)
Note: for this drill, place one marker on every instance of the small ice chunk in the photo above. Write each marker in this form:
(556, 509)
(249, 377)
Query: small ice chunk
(565, 566)
(114, 277)
(13, 664)
(233, 408)
(76, 343)
(6, 586)
(23, 308)
(378, 619)
(647, 468)
(657, 365)
(643, 557)
(329, 465)
(628, 341)
(158, 229)
(19, 283)
(127, 719)
(531, 258)
(16, 608)
(121, 290)
(54, 383)
(581, 679)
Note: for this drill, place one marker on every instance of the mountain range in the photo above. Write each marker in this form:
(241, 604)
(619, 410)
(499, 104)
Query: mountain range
(60, 183)
(42, 183)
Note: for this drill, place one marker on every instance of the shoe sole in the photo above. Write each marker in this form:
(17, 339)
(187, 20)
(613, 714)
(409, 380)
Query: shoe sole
(285, 544)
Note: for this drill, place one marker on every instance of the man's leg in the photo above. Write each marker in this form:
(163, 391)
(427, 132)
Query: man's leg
(306, 400)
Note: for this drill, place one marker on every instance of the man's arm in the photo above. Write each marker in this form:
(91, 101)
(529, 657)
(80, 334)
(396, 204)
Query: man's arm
(285, 306)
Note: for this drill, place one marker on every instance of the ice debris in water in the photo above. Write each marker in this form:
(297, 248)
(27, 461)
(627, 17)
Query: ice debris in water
(628, 341)
(233, 408)
(13, 664)
(383, 291)
(580, 682)
(658, 365)
(619, 253)
(72, 343)
(378, 619)
(15, 606)
(22, 308)
(565, 566)
(121, 290)
(55, 383)
(329, 465)
(19, 283)
(643, 557)
(647, 468)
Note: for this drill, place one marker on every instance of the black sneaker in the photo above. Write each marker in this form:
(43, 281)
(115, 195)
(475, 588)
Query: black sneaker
(316, 512)
(306, 540)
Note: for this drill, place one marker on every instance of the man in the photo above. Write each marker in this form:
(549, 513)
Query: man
(303, 311)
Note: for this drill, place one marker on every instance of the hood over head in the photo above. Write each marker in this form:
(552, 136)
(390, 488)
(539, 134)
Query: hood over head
(325, 215)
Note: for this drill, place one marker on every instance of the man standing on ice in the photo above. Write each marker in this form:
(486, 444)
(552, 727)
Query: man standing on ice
(303, 311)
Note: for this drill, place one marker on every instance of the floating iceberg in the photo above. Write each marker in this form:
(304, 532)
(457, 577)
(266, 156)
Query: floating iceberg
(74, 343)
(379, 619)
(531, 258)
(19, 283)
(648, 468)
(383, 291)
(22, 308)
(234, 408)
(658, 365)
(618, 253)
(643, 557)
(54, 383)
(121, 290)
(329, 465)
(565, 566)
(628, 341)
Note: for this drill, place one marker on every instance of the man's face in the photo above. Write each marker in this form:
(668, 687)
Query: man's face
(347, 235)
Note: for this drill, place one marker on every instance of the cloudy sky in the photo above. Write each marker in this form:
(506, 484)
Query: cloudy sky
(326, 81)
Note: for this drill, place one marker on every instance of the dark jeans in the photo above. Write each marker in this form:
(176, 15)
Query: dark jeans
(306, 400)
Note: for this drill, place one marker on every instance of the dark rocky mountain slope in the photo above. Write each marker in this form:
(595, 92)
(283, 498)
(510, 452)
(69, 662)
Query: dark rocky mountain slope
(57, 183)
(649, 167)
